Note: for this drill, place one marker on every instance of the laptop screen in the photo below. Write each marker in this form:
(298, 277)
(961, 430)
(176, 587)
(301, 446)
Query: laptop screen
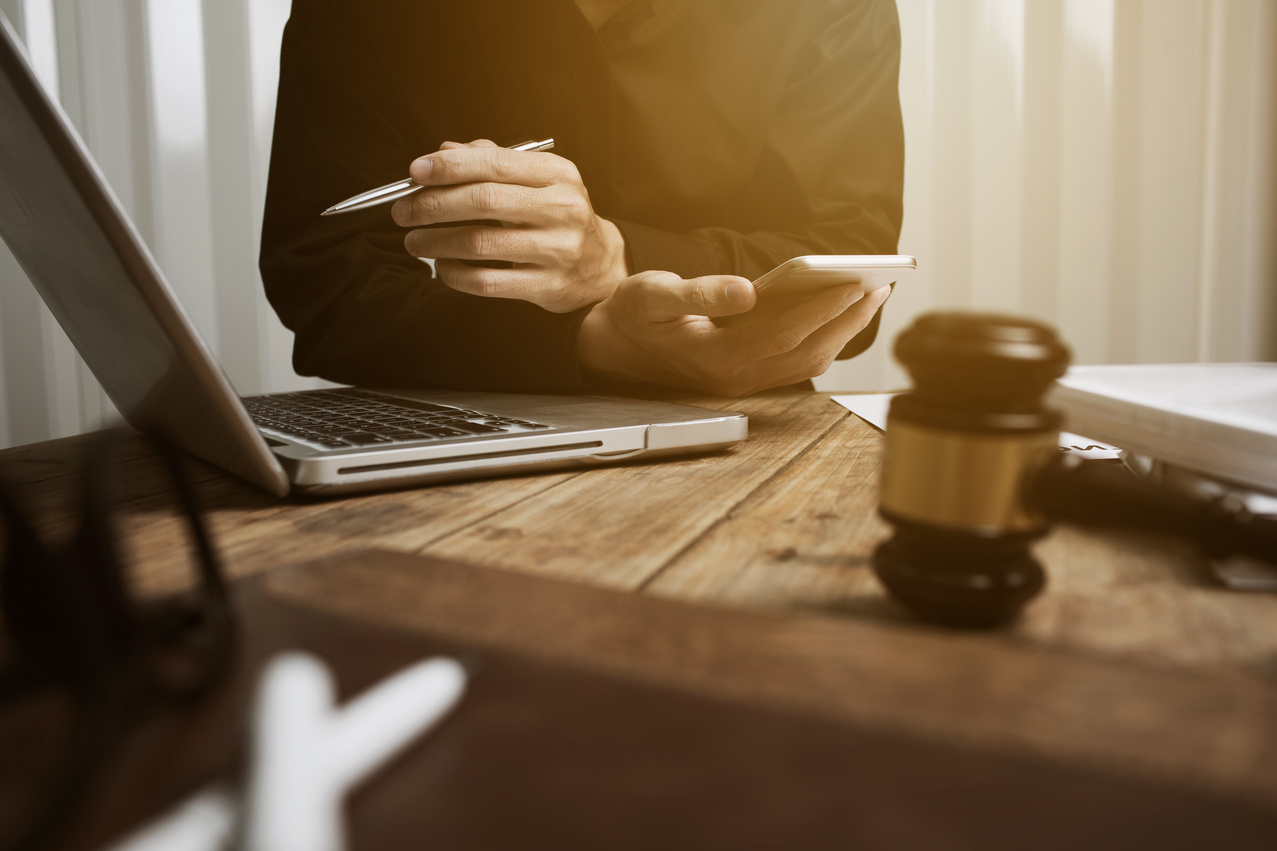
(97, 277)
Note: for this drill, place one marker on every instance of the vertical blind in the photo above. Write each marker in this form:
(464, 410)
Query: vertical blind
(175, 98)
(1105, 165)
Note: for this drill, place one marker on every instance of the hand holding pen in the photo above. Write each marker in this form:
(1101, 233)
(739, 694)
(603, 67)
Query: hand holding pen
(563, 256)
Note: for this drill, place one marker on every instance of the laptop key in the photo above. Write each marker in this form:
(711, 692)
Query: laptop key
(476, 428)
(364, 438)
(442, 431)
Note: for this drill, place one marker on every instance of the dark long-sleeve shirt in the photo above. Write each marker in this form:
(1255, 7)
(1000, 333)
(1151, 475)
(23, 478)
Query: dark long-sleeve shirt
(721, 136)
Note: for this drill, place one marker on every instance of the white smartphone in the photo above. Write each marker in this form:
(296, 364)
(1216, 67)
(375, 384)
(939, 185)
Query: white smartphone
(797, 280)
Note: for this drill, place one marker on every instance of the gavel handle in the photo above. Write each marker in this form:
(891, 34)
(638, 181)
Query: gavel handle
(1106, 494)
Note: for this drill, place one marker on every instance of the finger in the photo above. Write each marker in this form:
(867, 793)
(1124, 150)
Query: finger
(813, 356)
(475, 164)
(662, 296)
(783, 333)
(450, 146)
(834, 335)
(526, 283)
(483, 143)
(471, 201)
(480, 280)
(474, 242)
(809, 358)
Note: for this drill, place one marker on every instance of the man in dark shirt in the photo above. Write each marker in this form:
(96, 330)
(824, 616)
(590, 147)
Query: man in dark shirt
(716, 139)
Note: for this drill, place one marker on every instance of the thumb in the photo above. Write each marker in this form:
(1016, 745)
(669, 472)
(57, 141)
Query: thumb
(663, 296)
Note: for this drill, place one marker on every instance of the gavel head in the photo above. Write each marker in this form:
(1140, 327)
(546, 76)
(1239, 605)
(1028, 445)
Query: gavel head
(959, 450)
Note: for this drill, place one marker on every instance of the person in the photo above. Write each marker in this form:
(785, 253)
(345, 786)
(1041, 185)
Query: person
(697, 145)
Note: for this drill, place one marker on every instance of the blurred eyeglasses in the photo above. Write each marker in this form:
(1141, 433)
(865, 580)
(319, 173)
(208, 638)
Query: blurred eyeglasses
(74, 625)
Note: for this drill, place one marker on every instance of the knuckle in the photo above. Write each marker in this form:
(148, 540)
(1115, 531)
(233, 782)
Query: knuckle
(503, 164)
(480, 242)
(485, 284)
(783, 340)
(487, 197)
(563, 170)
(572, 246)
(451, 273)
(700, 297)
(578, 207)
(443, 166)
(658, 278)
(564, 167)
(429, 204)
(828, 356)
(815, 364)
(634, 286)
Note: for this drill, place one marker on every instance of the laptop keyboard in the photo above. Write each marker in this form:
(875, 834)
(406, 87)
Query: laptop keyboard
(342, 418)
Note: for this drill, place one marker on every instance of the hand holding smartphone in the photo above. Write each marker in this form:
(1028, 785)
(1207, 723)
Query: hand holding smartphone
(797, 280)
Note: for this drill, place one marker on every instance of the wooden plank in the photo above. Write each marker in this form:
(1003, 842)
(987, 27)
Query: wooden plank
(54, 459)
(51, 494)
(1148, 598)
(254, 532)
(802, 541)
(780, 522)
(619, 525)
(974, 690)
(805, 542)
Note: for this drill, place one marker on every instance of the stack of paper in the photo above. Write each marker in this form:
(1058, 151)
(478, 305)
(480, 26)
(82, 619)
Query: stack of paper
(872, 408)
(1219, 420)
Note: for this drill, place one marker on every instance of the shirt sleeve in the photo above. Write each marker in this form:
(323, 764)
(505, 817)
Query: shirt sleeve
(362, 309)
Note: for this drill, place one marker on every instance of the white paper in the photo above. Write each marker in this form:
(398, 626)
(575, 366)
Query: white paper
(872, 408)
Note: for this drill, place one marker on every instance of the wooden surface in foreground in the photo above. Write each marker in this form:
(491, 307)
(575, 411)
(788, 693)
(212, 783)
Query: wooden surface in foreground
(1132, 658)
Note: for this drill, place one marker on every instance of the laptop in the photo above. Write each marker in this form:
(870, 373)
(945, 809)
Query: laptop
(86, 259)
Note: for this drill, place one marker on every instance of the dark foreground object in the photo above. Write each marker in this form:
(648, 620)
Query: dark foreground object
(542, 755)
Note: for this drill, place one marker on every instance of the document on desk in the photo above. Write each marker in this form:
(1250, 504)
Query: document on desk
(872, 408)
(1215, 419)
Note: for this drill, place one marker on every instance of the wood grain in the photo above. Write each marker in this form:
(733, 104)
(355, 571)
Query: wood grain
(806, 540)
(1210, 731)
(1148, 598)
(803, 541)
(618, 526)
(787, 522)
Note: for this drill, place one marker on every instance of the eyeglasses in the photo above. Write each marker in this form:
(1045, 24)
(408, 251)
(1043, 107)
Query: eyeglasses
(74, 625)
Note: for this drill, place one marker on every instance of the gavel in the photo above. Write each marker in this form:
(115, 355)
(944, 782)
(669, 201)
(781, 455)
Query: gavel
(973, 475)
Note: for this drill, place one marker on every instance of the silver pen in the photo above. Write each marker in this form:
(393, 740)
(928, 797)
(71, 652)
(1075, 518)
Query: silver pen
(403, 188)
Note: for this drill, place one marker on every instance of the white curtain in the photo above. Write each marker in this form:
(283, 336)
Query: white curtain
(1106, 165)
(176, 99)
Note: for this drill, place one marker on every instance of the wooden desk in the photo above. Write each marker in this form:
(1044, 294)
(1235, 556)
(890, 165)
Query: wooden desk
(1131, 661)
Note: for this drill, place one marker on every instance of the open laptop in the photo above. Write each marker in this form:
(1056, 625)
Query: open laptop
(73, 239)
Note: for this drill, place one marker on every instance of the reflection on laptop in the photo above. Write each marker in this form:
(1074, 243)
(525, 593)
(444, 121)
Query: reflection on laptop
(86, 259)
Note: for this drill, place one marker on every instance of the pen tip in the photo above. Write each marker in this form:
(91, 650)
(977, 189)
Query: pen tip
(328, 212)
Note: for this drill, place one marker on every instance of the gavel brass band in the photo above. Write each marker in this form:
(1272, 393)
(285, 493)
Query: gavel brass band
(928, 474)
